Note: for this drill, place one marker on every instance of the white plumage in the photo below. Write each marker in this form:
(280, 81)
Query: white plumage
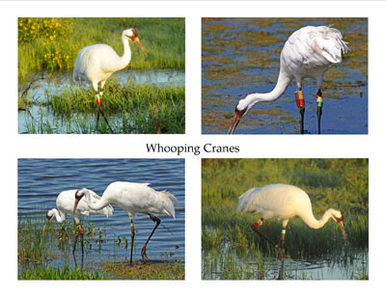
(307, 53)
(65, 204)
(134, 198)
(96, 63)
(284, 201)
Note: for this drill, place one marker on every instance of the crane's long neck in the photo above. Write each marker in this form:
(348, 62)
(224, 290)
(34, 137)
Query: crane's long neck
(123, 61)
(312, 222)
(96, 204)
(59, 216)
(283, 81)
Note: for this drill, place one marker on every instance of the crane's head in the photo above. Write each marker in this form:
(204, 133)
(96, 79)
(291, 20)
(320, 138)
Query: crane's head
(242, 107)
(49, 215)
(133, 35)
(79, 194)
(338, 217)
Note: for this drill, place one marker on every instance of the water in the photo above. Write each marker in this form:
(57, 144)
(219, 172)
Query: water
(41, 90)
(41, 180)
(227, 263)
(241, 56)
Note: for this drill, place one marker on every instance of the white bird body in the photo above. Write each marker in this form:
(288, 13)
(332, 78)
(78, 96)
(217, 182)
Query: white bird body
(65, 204)
(133, 198)
(283, 201)
(307, 53)
(96, 63)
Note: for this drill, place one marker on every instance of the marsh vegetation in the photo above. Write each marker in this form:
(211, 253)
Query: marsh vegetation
(232, 250)
(49, 102)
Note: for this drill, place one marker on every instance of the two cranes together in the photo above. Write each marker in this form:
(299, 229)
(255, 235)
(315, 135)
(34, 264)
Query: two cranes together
(129, 196)
(307, 53)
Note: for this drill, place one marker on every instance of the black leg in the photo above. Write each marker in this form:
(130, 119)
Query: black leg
(301, 111)
(157, 222)
(255, 228)
(319, 103)
(132, 240)
(301, 106)
(74, 247)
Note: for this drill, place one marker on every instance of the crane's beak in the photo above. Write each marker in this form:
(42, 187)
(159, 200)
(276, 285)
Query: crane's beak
(136, 40)
(48, 218)
(76, 202)
(236, 120)
(340, 223)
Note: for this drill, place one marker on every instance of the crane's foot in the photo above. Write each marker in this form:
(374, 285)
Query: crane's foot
(143, 253)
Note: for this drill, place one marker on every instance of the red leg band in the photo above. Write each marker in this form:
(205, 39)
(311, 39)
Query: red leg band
(299, 99)
(98, 101)
(80, 231)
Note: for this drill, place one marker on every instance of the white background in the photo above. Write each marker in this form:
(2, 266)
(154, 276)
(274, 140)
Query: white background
(14, 146)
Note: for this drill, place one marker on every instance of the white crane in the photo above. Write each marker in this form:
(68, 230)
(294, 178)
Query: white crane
(284, 201)
(307, 53)
(65, 204)
(96, 63)
(134, 198)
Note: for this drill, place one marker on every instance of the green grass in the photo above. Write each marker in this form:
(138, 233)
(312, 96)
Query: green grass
(55, 49)
(331, 183)
(133, 108)
(65, 273)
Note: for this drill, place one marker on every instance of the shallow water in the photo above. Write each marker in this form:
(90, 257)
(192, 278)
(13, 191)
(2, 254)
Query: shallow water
(41, 180)
(44, 88)
(241, 56)
(226, 263)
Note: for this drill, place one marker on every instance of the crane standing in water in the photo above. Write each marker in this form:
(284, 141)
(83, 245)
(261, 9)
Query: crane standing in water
(96, 63)
(284, 201)
(133, 198)
(307, 53)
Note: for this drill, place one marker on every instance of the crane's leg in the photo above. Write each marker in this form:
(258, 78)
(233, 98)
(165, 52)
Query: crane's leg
(157, 222)
(282, 238)
(132, 238)
(255, 228)
(319, 103)
(80, 232)
(301, 106)
(98, 99)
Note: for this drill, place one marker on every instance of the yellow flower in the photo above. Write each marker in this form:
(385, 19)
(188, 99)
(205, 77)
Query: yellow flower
(51, 37)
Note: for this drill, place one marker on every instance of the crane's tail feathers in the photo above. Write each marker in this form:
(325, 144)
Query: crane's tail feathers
(244, 199)
(169, 201)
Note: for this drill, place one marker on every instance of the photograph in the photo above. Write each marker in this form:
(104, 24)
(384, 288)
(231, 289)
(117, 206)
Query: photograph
(285, 219)
(101, 75)
(284, 75)
(93, 219)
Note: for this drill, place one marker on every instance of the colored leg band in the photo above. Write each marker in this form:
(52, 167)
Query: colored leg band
(98, 99)
(257, 224)
(282, 234)
(299, 98)
(79, 228)
(132, 228)
(319, 101)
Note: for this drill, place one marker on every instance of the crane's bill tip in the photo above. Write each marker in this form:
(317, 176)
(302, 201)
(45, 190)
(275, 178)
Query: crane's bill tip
(235, 122)
(342, 228)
